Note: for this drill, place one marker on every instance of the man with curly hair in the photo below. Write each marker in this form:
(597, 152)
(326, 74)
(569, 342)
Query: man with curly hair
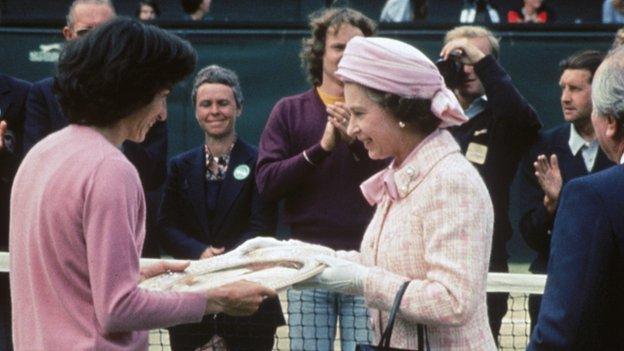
(307, 159)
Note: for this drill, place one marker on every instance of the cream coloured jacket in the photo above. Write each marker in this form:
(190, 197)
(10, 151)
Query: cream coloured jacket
(437, 235)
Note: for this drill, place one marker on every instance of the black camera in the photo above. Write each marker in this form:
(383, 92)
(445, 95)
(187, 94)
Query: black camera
(452, 70)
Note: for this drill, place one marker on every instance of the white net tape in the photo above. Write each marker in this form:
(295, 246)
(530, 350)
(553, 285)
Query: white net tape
(515, 328)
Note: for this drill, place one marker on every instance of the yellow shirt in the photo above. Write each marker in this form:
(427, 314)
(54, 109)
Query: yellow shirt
(329, 99)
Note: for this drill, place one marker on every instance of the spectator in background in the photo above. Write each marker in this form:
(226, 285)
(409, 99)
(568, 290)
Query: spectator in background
(433, 222)
(533, 11)
(77, 207)
(561, 154)
(613, 11)
(13, 94)
(501, 128)
(148, 10)
(307, 159)
(45, 116)
(196, 10)
(583, 299)
(404, 11)
(211, 205)
(479, 11)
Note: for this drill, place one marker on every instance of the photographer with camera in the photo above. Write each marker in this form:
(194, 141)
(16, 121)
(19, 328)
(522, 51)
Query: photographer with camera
(501, 127)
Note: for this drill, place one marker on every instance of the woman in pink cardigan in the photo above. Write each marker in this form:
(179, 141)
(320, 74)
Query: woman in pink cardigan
(77, 207)
(434, 218)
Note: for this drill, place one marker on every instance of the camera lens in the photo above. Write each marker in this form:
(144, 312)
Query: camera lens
(452, 70)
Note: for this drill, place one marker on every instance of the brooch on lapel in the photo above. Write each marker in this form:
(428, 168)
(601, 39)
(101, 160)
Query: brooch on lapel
(241, 172)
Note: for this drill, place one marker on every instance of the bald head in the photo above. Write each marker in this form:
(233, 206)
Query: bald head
(608, 104)
(85, 15)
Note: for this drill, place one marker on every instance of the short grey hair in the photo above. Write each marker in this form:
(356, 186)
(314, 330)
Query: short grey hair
(215, 74)
(72, 8)
(608, 87)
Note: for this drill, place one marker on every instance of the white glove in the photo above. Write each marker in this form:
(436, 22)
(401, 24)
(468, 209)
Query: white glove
(341, 276)
(258, 242)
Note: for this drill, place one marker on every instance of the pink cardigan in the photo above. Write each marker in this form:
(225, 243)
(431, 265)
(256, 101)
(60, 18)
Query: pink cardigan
(438, 236)
(77, 229)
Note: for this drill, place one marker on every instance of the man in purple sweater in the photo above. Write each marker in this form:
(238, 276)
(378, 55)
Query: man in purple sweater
(307, 159)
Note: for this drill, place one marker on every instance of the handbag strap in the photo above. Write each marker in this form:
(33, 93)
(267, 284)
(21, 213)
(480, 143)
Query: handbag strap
(387, 334)
(423, 338)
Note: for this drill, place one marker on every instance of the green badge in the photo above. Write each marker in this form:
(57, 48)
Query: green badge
(241, 172)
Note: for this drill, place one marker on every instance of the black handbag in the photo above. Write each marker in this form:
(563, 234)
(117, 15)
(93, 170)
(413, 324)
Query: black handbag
(384, 342)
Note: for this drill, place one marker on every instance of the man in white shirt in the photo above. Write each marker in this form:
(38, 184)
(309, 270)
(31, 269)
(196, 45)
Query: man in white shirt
(567, 151)
(584, 296)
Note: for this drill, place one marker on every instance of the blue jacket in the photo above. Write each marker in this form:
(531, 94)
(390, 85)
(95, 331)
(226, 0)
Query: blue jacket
(505, 129)
(13, 94)
(583, 303)
(535, 222)
(240, 214)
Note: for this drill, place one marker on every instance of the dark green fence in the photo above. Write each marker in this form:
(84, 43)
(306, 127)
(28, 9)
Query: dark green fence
(268, 65)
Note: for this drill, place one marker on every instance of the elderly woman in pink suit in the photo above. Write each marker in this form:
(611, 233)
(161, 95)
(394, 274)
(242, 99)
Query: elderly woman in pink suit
(434, 218)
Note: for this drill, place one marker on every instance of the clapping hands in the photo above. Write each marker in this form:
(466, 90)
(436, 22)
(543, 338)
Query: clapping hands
(548, 175)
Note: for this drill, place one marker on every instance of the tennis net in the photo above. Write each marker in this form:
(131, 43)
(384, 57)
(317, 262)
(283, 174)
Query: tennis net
(514, 334)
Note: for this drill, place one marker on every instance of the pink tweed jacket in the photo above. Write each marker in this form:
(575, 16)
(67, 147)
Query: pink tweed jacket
(438, 236)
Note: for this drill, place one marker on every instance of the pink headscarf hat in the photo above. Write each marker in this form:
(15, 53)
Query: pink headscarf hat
(395, 67)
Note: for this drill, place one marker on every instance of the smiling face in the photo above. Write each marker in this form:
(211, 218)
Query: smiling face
(216, 110)
(375, 127)
(140, 122)
(576, 94)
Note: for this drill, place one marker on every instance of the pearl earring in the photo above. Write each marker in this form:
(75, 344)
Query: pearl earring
(401, 124)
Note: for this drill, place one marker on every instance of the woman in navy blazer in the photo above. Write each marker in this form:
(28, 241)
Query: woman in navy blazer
(211, 205)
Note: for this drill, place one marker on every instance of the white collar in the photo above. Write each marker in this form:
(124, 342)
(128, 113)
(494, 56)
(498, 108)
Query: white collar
(576, 141)
(476, 106)
(622, 159)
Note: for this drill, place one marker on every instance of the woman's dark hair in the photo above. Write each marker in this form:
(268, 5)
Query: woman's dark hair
(415, 112)
(151, 3)
(117, 69)
(320, 22)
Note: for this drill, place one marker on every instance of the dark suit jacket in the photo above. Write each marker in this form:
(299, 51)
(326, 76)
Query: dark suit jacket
(45, 116)
(13, 94)
(583, 303)
(506, 128)
(536, 223)
(240, 215)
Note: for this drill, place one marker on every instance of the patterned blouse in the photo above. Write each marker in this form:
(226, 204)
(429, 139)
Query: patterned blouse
(216, 166)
